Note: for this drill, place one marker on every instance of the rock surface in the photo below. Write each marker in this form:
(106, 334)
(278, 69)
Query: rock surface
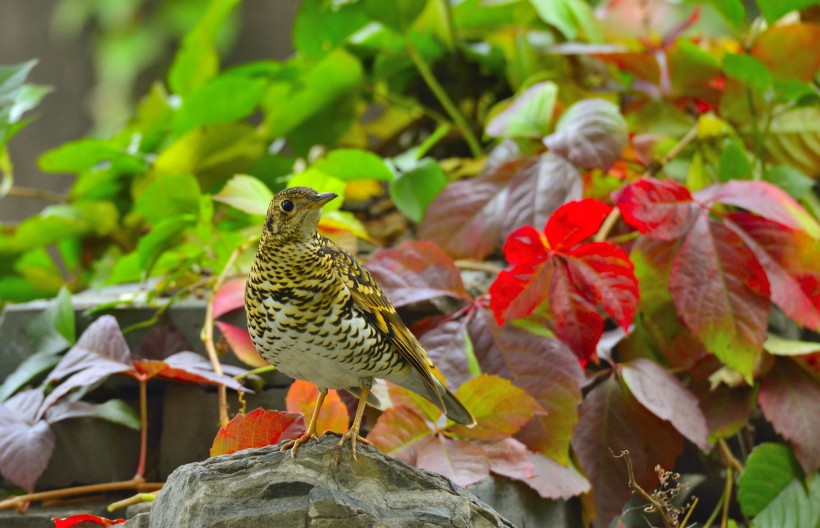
(264, 487)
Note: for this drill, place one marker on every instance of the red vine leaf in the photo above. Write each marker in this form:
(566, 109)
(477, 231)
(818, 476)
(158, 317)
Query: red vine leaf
(240, 342)
(510, 458)
(188, 367)
(333, 416)
(444, 339)
(575, 222)
(257, 428)
(789, 258)
(416, 271)
(788, 398)
(721, 293)
(553, 481)
(399, 432)
(612, 420)
(462, 462)
(661, 209)
(230, 297)
(79, 519)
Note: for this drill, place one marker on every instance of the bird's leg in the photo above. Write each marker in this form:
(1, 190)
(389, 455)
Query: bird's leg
(293, 445)
(353, 433)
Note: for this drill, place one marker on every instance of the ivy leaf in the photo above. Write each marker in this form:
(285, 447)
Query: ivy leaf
(763, 198)
(465, 218)
(230, 297)
(789, 258)
(257, 428)
(788, 398)
(769, 469)
(721, 293)
(240, 342)
(500, 408)
(188, 367)
(26, 441)
(224, 99)
(414, 190)
(16, 98)
(553, 481)
(510, 458)
(246, 193)
(747, 70)
(795, 507)
(591, 133)
(338, 22)
(612, 420)
(301, 398)
(462, 462)
(444, 339)
(81, 518)
(667, 398)
(160, 342)
(660, 209)
(416, 271)
(785, 49)
(400, 432)
(537, 190)
(529, 114)
(727, 410)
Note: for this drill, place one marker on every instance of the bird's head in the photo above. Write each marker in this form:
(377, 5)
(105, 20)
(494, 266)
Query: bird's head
(294, 213)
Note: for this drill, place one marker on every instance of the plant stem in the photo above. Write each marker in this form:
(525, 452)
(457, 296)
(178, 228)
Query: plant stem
(37, 194)
(19, 501)
(730, 459)
(609, 223)
(143, 428)
(207, 335)
(656, 507)
(134, 499)
(656, 167)
(443, 98)
(724, 519)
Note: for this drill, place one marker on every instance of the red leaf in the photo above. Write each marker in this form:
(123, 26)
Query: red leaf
(661, 209)
(612, 419)
(787, 50)
(546, 369)
(26, 442)
(537, 190)
(605, 271)
(763, 198)
(188, 367)
(444, 340)
(258, 428)
(76, 520)
(666, 397)
(553, 481)
(507, 287)
(465, 218)
(334, 416)
(574, 222)
(240, 341)
(100, 352)
(510, 458)
(500, 408)
(399, 432)
(727, 410)
(526, 247)
(576, 321)
(416, 271)
(788, 398)
(790, 259)
(230, 297)
(721, 293)
(462, 462)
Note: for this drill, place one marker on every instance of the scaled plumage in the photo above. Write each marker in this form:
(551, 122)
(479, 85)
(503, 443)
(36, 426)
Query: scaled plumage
(317, 314)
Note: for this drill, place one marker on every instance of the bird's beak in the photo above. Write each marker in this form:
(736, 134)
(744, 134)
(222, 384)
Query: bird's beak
(322, 199)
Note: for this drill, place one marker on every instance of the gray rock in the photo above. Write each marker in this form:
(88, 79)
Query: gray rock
(265, 487)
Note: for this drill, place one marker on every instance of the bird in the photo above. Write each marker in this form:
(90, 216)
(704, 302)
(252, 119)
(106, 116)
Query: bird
(317, 314)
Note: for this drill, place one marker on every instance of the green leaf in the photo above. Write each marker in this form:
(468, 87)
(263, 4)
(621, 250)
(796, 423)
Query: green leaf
(337, 20)
(732, 10)
(170, 195)
(797, 506)
(413, 191)
(768, 471)
(31, 367)
(793, 138)
(772, 10)
(354, 164)
(58, 222)
(196, 62)
(16, 98)
(396, 14)
(791, 180)
(85, 154)
(53, 330)
(747, 70)
(222, 100)
(322, 182)
(247, 194)
(734, 163)
(780, 346)
(529, 115)
(570, 17)
(164, 235)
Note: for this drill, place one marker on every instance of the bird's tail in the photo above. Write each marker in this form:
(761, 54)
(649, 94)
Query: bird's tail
(453, 408)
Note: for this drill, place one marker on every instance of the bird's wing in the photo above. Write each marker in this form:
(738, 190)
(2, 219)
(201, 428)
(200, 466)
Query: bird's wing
(378, 310)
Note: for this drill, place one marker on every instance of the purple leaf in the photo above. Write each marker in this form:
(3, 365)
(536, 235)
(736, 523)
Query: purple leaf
(666, 397)
(553, 481)
(444, 341)
(510, 458)
(26, 444)
(161, 342)
(462, 462)
(591, 133)
(416, 271)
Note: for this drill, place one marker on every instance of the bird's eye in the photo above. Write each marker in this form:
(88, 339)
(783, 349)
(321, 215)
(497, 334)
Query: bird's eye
(287, 206)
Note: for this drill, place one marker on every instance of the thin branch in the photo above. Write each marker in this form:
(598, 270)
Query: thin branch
(656, 506)
(130, 501)
(143, 428)
(728, 457)
(656, 167)
(37, 194)
(689, 512)
(609, 223)
(467, 264)
(207, 334)
(724, 519)
(18, 502)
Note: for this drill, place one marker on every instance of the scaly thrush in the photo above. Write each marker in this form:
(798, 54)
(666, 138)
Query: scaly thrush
(318, 315)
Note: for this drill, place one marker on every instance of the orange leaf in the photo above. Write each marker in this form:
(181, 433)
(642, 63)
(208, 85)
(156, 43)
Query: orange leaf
(333, 416)
(240, 341)
(258, 428)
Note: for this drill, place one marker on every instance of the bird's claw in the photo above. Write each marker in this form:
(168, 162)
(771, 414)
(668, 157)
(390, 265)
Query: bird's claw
(354, 438)
(294, 444)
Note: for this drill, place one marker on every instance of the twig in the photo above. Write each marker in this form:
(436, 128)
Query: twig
(37, 194)
(657, 507)
(467, 264)
(134, 499)
(143, 428)
(689, 512)
(730, 459)
(724, 519)
(441, 94)
(207, 334)
(609, 223)
(656, 166)
(18, 502)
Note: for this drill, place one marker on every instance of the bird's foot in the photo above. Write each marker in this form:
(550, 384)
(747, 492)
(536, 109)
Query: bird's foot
(353, 436)
(294, 444)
